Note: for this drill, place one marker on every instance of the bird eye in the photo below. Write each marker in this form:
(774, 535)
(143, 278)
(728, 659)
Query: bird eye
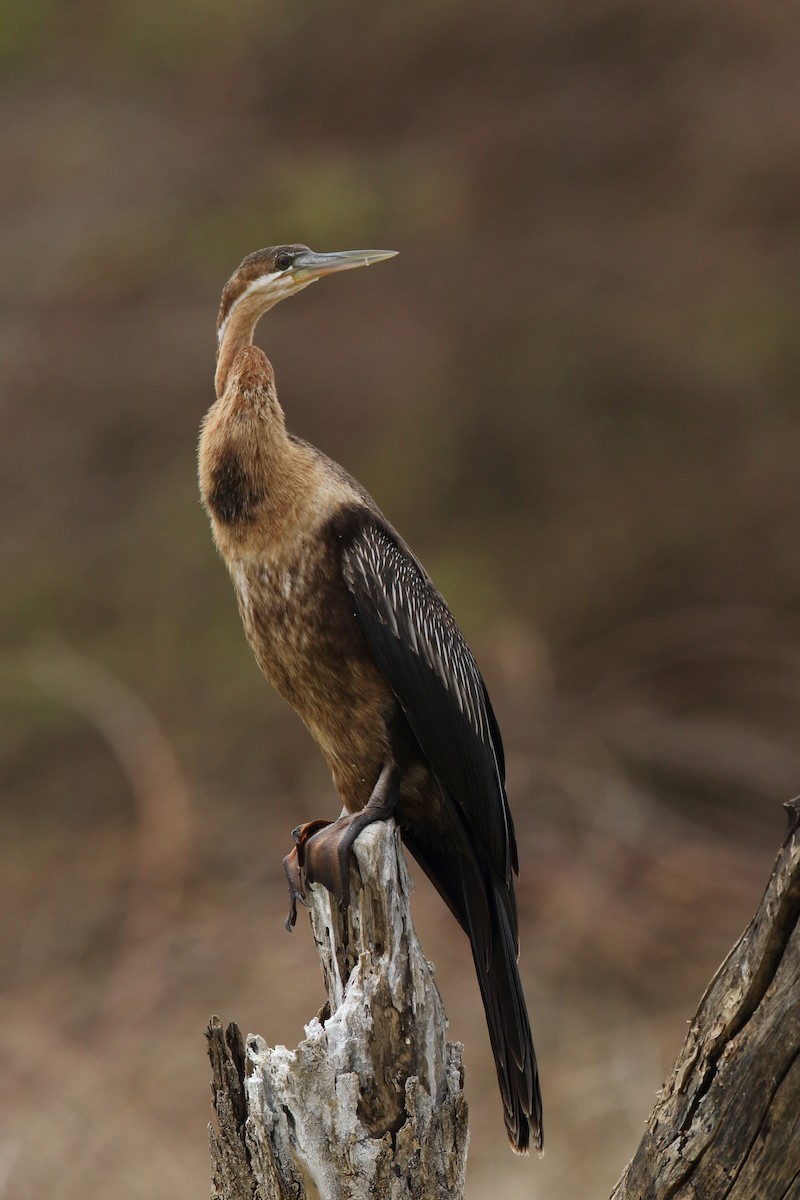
(283, 261)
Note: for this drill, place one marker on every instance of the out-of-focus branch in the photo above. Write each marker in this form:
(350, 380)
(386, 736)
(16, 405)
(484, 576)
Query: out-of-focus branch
(727, 1122)
(371, 1103)
(162, 808)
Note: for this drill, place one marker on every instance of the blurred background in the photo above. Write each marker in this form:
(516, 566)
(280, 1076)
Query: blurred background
(575, 393)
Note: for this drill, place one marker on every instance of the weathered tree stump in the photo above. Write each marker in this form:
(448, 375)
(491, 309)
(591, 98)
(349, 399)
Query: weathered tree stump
(371, 1103)
(726, 1125)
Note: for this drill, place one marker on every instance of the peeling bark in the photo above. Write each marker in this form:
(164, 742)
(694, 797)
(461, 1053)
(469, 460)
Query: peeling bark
(726, 1125)
(371, 1103)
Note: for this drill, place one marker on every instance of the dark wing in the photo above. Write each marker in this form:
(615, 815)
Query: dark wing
(424, 658)
(470, 853)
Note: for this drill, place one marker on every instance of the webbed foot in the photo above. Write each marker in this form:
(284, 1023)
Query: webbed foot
(321, 851)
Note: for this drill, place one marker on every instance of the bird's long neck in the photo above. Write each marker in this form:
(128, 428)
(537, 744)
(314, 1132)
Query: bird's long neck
(234, 334)
(250, 474)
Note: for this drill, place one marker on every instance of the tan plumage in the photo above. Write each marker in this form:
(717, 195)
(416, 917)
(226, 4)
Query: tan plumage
(350, 630)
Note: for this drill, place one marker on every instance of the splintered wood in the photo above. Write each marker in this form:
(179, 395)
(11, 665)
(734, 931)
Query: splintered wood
(726, 1125)
(371, 1103)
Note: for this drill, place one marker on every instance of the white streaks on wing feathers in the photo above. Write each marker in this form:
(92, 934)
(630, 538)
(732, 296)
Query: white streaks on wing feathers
(390, 611)
(413, 641)
(406, 606)
(463, 693)
(439, 652)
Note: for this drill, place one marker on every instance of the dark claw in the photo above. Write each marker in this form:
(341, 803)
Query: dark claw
(321, 854)
(321, 851)
(294, 864)
(294, 874)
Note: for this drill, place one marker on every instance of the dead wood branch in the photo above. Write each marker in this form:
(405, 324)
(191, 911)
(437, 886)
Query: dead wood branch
(371, 1103)
(726, 1125)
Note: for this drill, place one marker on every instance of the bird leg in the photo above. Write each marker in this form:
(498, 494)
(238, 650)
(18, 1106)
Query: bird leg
(321, 851)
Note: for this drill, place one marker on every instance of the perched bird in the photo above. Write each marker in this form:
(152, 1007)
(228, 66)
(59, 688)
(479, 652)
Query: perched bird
(347, 625)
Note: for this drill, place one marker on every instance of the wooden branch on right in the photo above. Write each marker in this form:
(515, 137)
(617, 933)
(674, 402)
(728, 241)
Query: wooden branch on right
(726, 1125)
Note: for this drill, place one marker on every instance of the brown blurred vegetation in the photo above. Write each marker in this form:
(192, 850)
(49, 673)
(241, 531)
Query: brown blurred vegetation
(575, 392)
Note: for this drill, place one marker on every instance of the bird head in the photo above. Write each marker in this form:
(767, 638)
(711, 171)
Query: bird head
(268, 276)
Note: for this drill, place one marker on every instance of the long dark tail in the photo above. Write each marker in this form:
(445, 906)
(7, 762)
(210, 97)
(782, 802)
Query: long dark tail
(510, 1032)
(485, 909)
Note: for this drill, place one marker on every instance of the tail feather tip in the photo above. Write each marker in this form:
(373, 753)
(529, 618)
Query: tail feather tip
(526, 1135)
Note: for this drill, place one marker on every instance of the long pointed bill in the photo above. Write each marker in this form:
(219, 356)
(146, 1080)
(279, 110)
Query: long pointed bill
(309, 266)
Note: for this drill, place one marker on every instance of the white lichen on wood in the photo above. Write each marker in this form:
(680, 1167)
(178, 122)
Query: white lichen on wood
(371, 1102)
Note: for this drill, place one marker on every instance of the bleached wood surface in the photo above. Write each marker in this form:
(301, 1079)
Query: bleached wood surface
(370, 1104)
(726, 1125)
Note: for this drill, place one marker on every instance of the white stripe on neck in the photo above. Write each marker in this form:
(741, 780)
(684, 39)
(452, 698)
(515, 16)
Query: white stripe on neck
(262, 283)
